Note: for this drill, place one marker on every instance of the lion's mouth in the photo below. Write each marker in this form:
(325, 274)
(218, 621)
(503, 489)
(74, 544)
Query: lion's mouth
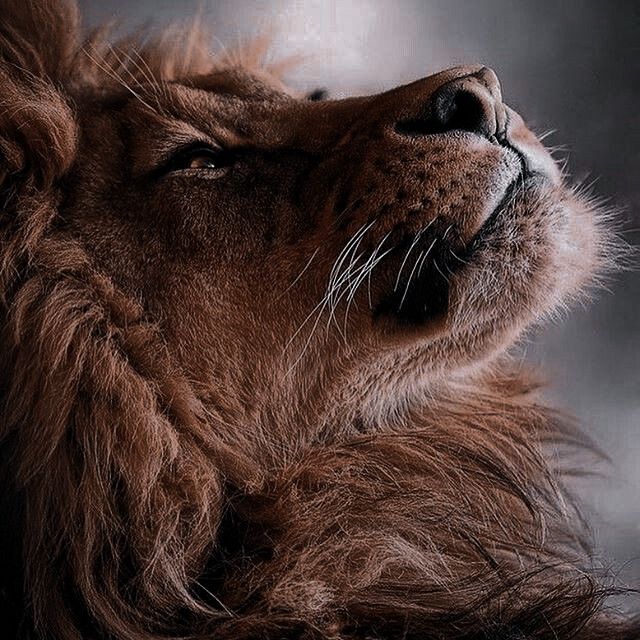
(421, 292)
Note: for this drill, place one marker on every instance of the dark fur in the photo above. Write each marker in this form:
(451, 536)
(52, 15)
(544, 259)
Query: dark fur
(135, 507)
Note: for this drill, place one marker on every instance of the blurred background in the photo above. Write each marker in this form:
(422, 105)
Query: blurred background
(572, 67)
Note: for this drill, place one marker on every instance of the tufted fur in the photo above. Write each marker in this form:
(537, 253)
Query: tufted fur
(192, 446)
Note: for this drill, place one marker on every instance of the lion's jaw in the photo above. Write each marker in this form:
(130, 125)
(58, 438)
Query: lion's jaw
(355, 250)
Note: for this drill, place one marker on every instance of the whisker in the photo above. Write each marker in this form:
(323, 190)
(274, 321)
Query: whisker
(377, 249)
(546, 134)
(457, 257)
(413, 244)
(302, 325)
(344, 279)
(336, 278)
(313, 255)
(426, 255)
(153, 78)
(335, 281)
(363, 272)
(346, 209)
(308, 341)
(125, 67)
(114, 76)
(435, 264)
(406, 289)
(158, 85)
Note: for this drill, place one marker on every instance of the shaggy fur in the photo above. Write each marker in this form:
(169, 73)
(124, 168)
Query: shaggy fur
(233, 403)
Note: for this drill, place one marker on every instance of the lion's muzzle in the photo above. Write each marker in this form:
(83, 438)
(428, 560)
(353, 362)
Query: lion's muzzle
(470, 101)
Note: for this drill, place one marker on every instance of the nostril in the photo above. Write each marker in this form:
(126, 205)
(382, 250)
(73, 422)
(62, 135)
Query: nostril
(463, 105)
(464, 111)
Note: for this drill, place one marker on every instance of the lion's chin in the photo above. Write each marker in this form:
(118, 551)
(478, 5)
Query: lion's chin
(535, 251)
(423, 297)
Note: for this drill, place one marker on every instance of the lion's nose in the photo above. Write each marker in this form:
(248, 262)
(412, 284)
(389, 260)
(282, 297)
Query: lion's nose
(471, 102)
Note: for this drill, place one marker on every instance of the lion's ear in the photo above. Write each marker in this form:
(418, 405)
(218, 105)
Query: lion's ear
(38, 40)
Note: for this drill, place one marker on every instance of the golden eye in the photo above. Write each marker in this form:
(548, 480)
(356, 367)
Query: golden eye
(198, 157)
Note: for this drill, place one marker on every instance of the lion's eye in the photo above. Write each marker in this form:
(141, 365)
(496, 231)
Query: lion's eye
(202, 161)
(198, 157)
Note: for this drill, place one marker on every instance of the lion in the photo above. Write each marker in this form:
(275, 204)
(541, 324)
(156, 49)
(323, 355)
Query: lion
(254, 360)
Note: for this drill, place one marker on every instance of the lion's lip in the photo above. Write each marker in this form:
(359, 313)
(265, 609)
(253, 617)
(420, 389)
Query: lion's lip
(508, 193)
(526, 180)
(508, 197)
(533, 155)
(424, 297)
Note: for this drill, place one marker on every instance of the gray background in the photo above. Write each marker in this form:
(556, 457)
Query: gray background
(572, 66)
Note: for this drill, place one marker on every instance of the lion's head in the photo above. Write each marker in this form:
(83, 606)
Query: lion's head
(205, 276)
(411, 234)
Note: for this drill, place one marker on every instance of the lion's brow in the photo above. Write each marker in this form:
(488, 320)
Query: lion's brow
(232, 82)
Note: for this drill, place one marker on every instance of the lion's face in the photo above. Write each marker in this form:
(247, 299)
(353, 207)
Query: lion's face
(288, 246)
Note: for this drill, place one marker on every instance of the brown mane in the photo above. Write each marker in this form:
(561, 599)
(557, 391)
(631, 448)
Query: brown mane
(137, 519)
